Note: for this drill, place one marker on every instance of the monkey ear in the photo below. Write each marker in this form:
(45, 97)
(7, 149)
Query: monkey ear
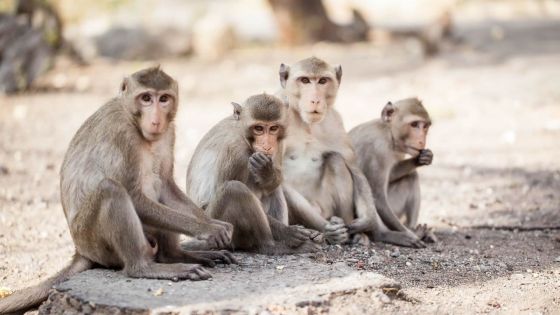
(124, 86)
(284, 73)
(338, 71)
(236, 110)
(388, 112)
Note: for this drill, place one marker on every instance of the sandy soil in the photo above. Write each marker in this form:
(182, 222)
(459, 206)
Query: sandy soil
(496, 140)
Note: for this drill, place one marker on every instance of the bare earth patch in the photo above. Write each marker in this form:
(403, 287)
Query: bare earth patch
(496, 141)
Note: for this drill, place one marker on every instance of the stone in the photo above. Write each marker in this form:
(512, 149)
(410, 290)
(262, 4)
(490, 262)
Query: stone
(248, 288)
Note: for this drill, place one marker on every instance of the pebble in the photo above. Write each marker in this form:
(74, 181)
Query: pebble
(384, 298)
(408, 263)
(395, 253)
(557, 259)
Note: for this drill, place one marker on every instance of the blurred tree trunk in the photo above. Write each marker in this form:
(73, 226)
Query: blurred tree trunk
(306, 21)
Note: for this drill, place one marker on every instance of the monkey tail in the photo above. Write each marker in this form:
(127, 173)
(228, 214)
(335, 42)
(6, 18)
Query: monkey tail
(31, 297)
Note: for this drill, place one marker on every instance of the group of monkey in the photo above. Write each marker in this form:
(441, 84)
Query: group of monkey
(278, 176)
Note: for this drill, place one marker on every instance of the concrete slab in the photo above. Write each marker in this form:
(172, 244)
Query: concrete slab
(258, 284)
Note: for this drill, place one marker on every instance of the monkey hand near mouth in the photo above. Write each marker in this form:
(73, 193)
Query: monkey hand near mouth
(425, 157)
(262, 168)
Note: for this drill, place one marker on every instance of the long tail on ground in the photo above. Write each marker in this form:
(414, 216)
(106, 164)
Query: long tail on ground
(31, 297)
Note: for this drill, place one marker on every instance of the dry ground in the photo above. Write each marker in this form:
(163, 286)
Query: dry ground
(496, 140)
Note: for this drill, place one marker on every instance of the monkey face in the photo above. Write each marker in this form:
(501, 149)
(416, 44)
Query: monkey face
(155, 109)
(409, 123)
(265, 137)
(414, 130)
(314, 96)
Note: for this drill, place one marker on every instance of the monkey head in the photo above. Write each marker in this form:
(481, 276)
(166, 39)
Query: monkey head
(311, 86)
(409, 123)
(151, 96)
(262, 117)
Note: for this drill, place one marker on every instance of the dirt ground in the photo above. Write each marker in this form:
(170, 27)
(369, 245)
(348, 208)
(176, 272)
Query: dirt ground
(495, 101)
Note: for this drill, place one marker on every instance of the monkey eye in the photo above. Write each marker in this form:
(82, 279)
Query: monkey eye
(323, 80)
(164, 98)
(146, 97)
(414, 124)
(274, 129)
(258, 129)
(305, 80)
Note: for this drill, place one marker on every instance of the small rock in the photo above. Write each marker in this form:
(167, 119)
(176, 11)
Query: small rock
(395, 253)
(384, 298)
(5, 292)
(408, 263)
(158, 292)
(557, 259)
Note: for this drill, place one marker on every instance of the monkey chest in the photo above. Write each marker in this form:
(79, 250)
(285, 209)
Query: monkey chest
(150, 178)
(303, 163)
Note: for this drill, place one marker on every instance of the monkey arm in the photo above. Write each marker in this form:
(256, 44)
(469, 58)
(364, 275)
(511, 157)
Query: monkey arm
(161, 216)
(278, 228)
(402, 169)
(273, 181)
(173, 197)
(363, 202)
(302, 210)
(379, 185)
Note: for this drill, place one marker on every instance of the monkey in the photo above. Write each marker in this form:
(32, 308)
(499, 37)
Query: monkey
(324, 188)
(122, 205)
(235, 174)
(381, 146)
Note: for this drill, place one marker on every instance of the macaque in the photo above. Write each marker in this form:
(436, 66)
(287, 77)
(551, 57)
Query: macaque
(324, 188)
(123, 208)
(235, 174)
(382, 146)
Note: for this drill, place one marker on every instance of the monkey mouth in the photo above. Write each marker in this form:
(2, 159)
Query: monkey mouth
(314, 117)
(152, 136)
(413, 149)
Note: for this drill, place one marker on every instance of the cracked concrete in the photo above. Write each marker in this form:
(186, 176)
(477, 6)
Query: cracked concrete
(275, 284)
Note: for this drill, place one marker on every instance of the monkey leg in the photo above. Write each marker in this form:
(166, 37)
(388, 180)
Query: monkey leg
(337, 187)
(235, 203)
(169, 251)
(404, 198)
(115, 237)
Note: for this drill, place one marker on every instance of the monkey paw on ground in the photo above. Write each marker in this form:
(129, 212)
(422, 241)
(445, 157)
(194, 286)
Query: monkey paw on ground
(298, 234)
(426, 234)
(336, 231)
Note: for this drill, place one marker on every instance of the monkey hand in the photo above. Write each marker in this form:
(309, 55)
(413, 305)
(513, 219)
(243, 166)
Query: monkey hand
(361, 225)
(261, 167)
(219, 234)
(425, 233)
(299, 234)
(336, 231)
(425, 157)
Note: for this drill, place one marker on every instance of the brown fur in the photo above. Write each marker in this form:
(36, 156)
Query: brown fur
(118, 192)
(238, 185)
(381, 147)
(324, 187)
